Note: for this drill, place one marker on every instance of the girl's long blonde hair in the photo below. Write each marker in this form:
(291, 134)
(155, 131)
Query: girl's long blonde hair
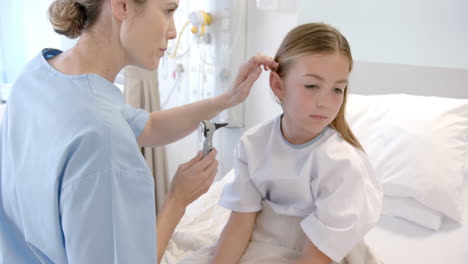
(312, 39)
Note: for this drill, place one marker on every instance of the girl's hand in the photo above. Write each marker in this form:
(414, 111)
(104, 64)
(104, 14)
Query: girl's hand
(248, 74)
(193, 179)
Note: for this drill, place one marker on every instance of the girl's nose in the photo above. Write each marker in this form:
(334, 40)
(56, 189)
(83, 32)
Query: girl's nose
(323, 100)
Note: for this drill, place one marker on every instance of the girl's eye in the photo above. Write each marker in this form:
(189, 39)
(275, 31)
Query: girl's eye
(311, 86)
(170, 11)
(338, 91)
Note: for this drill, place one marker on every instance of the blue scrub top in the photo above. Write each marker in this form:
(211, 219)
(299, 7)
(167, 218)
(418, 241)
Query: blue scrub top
(74, 185)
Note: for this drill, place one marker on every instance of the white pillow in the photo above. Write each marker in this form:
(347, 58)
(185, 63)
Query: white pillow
(411, 210)
(417, 144)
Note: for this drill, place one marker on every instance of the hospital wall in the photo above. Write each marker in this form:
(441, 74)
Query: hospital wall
(416, 32)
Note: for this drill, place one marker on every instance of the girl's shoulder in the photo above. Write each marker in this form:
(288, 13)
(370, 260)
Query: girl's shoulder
(336, 149)
(334, 140)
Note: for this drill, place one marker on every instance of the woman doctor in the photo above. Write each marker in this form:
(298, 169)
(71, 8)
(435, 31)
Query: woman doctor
(74, 186)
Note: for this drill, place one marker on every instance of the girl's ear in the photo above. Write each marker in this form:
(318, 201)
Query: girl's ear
(276, 85)
(119, 8)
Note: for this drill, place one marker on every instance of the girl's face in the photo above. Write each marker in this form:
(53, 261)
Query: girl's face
(146, 31)
(312, 93)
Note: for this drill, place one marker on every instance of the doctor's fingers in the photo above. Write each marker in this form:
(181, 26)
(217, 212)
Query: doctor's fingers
(206, 161)
(207, 178)
(253, 64)
(266, 61)
(191, 162)
(252, 77)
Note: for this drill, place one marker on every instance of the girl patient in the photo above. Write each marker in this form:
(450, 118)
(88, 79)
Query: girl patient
(303, 191)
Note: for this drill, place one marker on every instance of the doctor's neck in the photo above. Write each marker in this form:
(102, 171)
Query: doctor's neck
(95, 53)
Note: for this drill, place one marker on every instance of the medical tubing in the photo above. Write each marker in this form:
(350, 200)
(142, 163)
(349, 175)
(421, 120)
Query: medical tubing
(174, 54)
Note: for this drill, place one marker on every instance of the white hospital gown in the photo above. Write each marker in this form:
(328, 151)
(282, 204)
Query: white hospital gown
(326, 183)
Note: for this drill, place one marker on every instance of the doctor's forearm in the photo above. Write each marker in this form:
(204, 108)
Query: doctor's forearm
(167, 220)
(173, 124)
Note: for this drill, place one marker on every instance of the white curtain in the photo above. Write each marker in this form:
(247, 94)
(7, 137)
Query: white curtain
(141, 90)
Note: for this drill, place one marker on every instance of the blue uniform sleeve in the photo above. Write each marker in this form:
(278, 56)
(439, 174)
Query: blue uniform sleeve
(136, 118)
(109, 217)
(240, 194)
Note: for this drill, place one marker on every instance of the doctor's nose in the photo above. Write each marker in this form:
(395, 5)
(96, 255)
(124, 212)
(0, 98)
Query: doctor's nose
(171, 31)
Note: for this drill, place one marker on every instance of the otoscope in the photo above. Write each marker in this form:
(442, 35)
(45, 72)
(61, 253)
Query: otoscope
(207, 130)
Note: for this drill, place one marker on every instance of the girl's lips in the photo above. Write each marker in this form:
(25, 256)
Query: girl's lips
(319, 117)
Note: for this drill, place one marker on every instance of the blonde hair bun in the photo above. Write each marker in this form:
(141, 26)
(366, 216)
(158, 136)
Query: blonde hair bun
(67, 17)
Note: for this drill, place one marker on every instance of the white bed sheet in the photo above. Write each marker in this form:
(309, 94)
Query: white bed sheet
(397, 241)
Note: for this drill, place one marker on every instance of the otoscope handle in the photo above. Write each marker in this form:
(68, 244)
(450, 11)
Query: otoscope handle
(207, 146)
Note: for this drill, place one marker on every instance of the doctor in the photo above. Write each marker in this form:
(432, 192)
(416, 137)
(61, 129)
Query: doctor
(74, 186)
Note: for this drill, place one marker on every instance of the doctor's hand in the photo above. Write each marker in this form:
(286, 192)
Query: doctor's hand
(248, 74)
(193, 178)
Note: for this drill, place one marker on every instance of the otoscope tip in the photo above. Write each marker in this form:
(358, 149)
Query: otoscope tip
(220, 125)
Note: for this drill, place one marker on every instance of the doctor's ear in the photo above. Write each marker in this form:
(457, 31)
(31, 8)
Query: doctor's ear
(119, 9)
(276, 85)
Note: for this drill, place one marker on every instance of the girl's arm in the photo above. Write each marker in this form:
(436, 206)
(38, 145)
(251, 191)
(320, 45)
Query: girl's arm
(167, 126)
(235, 238)
(312, 255)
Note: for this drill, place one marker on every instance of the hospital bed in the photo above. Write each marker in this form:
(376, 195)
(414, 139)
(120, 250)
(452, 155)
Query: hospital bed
(413, 123)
